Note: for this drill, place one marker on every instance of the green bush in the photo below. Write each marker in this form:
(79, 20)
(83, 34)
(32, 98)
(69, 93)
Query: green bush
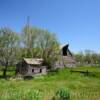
(62, 94)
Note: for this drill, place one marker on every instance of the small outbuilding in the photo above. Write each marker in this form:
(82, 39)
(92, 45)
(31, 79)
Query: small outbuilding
(30, 66)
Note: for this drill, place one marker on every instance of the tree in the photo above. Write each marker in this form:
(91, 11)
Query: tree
(29, 38)
(9, 48)
(79, 57)
(88, 57)
(40, 43)
(98, 59)
(49, 45)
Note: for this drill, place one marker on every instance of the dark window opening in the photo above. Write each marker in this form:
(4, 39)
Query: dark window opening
(32, 70)
(65, 50)
(40, 70)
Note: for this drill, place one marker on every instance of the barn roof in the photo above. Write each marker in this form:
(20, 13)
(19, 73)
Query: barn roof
(69, 59)
(63, 45)
(33, 61)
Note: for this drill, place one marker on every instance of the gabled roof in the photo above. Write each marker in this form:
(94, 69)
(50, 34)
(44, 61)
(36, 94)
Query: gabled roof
(33, 61)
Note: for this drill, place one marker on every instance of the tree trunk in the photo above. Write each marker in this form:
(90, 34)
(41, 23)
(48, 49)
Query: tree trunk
(4, 72)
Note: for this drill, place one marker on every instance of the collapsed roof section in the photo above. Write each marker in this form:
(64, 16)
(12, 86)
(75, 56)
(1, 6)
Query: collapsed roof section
(66, 51)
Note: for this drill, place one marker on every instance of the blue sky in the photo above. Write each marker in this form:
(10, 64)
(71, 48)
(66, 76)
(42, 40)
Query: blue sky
(76, 22)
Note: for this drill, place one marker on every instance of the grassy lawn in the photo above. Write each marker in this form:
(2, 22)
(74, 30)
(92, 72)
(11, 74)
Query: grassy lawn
(44, 87)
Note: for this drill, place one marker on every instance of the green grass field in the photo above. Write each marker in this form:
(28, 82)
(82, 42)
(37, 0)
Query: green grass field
(80, 87)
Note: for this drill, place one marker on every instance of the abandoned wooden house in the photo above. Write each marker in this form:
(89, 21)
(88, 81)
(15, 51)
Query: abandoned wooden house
(30, 66)
(66, 58)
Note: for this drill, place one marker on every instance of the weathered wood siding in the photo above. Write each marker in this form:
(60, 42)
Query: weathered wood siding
(30, 69)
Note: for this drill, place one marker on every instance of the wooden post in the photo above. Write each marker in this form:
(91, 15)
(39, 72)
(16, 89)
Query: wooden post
(87, 73)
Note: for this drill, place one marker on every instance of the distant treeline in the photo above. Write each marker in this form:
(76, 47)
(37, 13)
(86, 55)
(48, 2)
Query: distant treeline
(88, 57)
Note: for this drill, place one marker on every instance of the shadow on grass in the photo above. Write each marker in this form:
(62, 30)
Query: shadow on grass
(28, 77)
(6, 77)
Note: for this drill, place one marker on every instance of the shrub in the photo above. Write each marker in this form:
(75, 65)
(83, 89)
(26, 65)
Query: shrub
(62, 94)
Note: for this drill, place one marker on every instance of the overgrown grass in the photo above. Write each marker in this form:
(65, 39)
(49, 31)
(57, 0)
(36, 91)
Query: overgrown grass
(44, 87)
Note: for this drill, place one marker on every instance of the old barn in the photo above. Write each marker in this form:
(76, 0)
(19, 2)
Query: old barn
(66, 58)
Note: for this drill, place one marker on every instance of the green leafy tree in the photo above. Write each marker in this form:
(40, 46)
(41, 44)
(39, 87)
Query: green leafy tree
(9, 48)
(29, 35)
(88, 57)
(79, 57)
(40, 43)
(49, 46)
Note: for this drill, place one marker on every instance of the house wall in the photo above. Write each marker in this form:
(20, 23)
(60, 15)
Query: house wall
(21, 68)
(36, 70)
(29, 71)
(25, 69)
(32, 70)
(44, 70)
(71, 65)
